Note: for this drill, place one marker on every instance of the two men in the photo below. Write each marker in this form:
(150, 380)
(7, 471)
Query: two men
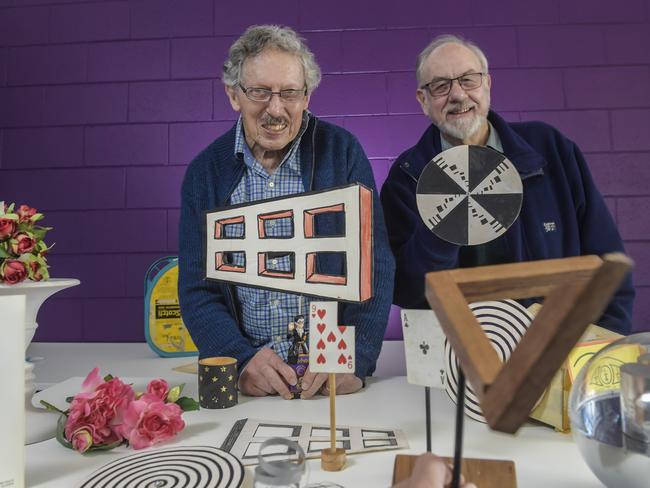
(276, 148)
(562, 214)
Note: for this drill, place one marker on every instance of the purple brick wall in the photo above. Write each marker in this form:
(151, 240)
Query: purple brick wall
(103, 104)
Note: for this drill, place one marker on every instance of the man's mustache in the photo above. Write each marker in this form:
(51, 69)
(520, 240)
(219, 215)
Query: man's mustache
(270, 120)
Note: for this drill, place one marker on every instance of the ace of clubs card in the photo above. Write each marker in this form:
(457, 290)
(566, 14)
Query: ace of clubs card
(331, 346)
(423, 347)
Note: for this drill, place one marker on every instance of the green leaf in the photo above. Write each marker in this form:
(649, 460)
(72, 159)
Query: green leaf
(187, 404)
(60, 432)
(108, 377)
(52, 408)
(174, 393)
(4, 253)
(69, 399)
(104, 447)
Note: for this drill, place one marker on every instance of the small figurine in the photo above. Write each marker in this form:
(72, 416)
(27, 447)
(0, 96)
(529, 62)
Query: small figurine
(298, 354)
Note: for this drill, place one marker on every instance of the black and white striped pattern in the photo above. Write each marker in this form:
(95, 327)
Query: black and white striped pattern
(175, 467)
(505, 322)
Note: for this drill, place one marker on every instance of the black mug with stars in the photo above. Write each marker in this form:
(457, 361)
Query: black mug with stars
(217, 382)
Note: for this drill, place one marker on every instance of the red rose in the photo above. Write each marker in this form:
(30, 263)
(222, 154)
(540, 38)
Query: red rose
(13, 271)
(25, 213)
(7, 228)
(21, 243)
(36, 271)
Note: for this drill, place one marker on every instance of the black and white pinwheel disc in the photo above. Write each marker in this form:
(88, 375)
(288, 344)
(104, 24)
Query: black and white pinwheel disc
(505, 322)
(175, 467)
(469, 195)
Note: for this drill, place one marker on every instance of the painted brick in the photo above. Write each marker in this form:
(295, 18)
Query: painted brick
(170, 101)
(120, 231)
(36, 65)
(394, 327)
(187, 140)
(173, 217)
(588, 128)
(588, 11)
(89, 22)
(350, 94)
(67, 189)
(611, 206)
(113, 320)
(101, 275)
(222, 110)
(340, 14)
(42, 148)
(641, 314)
(228, 20)
(561, 46)
(123, 145)
(65, 234)
(21, 106)
(327, 48)
(510, 116)
(154, 187)
(23, 26)
(136, 271)
(621, 174)
(514, 12)
(401, 93)
(529, 89)
(398, 48)
(640, 253)
(199, 58)
(499, 44)
(85, 104)
(614, 87)
(128, 61)
(630, 129)
(633, 222)
(3, 66)
(380, 169)
(422, 13)
(387, 136)
(627, 44)
(60, 320)
(171, 18)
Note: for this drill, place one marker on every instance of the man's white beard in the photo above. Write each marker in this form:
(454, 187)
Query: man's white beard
(463, 129)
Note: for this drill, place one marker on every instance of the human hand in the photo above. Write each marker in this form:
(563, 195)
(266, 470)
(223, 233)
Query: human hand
(430, 471)
(312, 383)
(267, 374)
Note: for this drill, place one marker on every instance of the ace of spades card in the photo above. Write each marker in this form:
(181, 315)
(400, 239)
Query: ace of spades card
(331, 346)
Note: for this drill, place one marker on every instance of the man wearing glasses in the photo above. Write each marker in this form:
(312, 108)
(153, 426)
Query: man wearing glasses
(276, 148)
(562, 214)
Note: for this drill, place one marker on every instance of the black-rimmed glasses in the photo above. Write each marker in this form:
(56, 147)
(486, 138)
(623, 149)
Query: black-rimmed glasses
(441, 87)
(264, 94)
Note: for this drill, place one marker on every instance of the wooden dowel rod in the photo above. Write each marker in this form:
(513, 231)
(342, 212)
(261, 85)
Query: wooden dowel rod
(332, 385)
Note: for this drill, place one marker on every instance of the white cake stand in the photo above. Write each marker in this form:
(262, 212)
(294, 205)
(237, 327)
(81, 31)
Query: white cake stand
(40, 423)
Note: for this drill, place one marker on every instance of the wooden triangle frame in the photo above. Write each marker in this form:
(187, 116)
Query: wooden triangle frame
(577, 290)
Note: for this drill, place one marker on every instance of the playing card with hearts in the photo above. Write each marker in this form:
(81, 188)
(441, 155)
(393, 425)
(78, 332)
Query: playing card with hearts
(331, 346)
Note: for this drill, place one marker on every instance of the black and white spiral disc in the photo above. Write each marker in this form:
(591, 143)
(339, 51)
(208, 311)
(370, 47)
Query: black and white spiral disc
(174, 467)
(505, 322)
(469, 195)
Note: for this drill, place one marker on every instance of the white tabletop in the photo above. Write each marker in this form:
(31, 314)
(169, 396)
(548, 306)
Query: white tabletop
(542, 457)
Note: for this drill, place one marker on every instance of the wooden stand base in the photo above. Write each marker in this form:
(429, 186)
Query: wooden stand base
(485, 473)
(332, 460)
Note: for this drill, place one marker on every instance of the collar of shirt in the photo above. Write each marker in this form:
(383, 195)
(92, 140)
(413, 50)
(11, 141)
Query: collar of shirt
(494, 141)
(243, 151)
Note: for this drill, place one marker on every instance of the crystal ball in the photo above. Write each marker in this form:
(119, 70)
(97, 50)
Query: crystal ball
(609, 410)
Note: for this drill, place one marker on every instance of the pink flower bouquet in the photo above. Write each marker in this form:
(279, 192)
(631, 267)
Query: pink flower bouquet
(22, 250)
(107, 413)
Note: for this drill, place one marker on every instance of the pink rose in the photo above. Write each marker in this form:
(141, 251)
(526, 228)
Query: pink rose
(21, 243)
(81, 440)
(148, 421)
(13, 271)
(7, 228)
(158, 388)
(25, 213)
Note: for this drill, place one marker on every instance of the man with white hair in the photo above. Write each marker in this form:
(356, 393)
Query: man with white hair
(562, 214)
(276, 148)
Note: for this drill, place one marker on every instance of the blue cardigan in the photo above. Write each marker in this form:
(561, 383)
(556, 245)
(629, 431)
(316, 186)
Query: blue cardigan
(330, 157)
(558, 192)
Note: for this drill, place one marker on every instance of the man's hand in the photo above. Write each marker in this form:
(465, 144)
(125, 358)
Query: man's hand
(431, 472)
(312, 383)
(266, 374)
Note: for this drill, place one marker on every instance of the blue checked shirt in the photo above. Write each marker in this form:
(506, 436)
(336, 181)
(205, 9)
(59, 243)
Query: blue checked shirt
(266, 314)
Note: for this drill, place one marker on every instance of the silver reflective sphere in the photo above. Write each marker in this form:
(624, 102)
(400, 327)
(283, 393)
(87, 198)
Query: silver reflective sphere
(609, 410)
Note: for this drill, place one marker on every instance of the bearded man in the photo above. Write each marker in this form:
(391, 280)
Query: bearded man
(562, 214)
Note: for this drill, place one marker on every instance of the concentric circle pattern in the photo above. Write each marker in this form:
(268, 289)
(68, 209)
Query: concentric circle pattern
(469, 195)
(505, 322)
(176, 467)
